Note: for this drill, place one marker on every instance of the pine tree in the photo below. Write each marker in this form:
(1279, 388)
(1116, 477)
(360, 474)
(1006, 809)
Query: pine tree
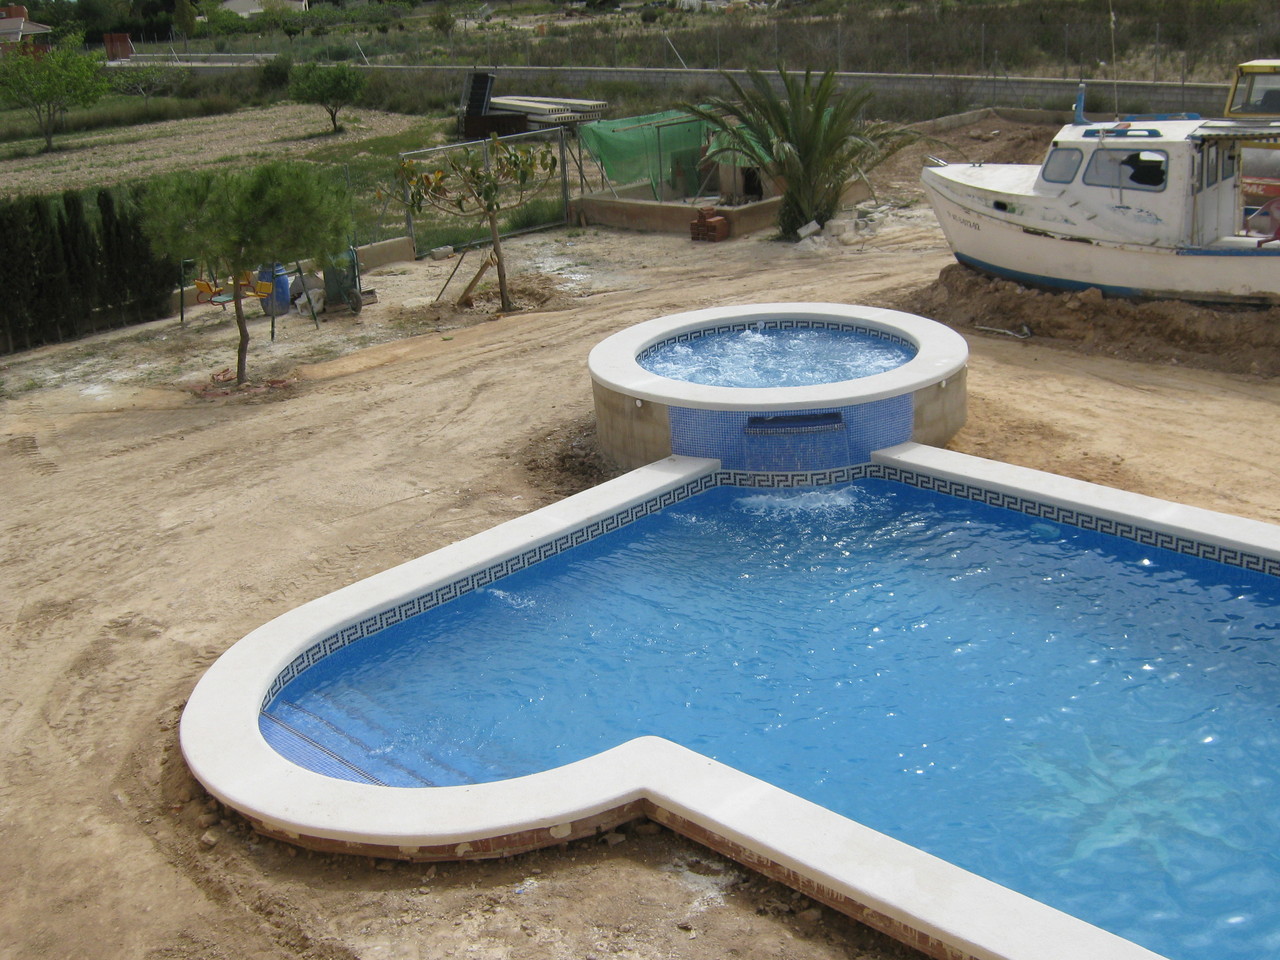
(79, 247)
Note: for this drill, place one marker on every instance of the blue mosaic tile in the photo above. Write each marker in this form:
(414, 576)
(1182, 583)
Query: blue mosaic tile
(780, 323)
(449, 591)
(1072, 517)
(778, 479)
(727, 436)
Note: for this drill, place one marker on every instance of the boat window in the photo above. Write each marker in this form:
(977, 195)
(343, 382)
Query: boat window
(1228, 163)
(1061, 165)
(1210, 164)
(1130, 169)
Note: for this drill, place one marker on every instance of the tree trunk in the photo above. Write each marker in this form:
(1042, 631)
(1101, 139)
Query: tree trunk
(507, 305)
(242, 352)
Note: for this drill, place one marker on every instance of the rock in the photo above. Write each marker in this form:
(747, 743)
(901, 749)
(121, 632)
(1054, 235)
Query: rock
(613, 838)
(207, 820)
(442, 253)
(648, 828)
(209, 839)
(809, 229)
(812, 915)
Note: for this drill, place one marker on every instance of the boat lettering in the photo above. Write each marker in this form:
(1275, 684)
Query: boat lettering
(965, 221)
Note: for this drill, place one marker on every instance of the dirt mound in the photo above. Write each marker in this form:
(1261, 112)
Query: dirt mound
(1232, 340)
(567, 460)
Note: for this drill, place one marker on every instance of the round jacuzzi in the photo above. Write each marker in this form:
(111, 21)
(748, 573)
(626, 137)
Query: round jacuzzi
(777, 387)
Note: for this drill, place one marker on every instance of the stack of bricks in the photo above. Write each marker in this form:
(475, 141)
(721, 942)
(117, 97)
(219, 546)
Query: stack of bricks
(708, 226)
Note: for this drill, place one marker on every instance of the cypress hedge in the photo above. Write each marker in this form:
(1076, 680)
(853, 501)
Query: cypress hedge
(76, 264)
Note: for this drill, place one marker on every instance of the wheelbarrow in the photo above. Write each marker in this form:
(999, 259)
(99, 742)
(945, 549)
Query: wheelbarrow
(342, 280)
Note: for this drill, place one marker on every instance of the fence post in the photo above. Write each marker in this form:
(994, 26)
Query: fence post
(564, 178)
(408, 217)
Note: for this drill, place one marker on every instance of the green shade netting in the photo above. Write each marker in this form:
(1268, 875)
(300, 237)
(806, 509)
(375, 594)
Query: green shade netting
(719, 140)
(657, 147)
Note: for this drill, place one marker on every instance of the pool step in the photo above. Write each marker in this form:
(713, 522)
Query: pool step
(449, 761)
(343, 738)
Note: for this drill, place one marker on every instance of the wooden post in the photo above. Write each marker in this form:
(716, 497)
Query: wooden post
(465, 299)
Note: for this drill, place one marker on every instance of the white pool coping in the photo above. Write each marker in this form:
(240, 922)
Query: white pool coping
(940, 353)
(843, 859)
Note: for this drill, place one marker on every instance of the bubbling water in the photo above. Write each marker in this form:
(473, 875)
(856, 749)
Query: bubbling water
(771, 357)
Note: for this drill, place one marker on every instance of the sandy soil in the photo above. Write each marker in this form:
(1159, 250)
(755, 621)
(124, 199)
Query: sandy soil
(152, 516)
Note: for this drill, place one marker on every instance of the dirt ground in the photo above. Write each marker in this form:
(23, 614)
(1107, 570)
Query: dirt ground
(114, 155)
(152, 516)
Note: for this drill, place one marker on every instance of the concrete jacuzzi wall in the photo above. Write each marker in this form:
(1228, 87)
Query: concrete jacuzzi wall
(642, 417)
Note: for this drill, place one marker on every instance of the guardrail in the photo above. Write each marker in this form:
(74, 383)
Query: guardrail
(955, 92)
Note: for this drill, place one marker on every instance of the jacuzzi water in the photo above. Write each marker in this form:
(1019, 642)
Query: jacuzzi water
(1079, 717)
(772, 357)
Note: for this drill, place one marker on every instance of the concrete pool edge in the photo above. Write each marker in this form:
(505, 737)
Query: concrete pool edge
(940, 353)
(941, 909)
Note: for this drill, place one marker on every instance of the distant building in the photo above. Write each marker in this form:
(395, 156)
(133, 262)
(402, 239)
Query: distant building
(15, 28)
(251, 8)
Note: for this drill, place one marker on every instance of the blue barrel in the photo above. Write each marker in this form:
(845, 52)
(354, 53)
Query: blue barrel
(277, 304)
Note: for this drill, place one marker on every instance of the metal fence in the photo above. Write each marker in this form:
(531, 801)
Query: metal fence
(461, 232)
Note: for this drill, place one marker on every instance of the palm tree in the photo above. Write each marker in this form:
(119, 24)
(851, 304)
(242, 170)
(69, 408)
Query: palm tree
(812, 138)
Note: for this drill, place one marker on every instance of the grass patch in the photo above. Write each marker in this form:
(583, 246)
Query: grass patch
(369, 166)
(116, 111)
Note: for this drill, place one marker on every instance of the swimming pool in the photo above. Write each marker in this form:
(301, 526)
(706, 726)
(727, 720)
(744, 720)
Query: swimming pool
(1078, 716)
(924, 900)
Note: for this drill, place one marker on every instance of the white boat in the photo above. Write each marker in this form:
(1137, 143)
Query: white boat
(1141, 207)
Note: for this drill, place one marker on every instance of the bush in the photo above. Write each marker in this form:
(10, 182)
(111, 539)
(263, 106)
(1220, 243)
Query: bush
(403, 93)
(80, 263)
(273, 76)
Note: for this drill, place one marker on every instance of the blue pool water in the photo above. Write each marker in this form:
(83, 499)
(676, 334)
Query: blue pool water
(770, 357)
(1082, 718)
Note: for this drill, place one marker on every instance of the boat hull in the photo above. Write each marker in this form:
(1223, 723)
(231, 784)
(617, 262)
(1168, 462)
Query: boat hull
(1240, 272)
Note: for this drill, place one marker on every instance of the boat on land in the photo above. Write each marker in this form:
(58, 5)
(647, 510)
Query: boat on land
(1145, 207)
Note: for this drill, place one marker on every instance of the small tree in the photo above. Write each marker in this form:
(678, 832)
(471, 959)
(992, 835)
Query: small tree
(332, 87)
(238, 220)
(442, 22)
(147, 80)
(813, 138)
(467, 183)
(48, 84)
(184, 17)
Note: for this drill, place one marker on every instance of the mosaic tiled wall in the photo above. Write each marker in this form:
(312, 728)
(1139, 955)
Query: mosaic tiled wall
(724, 435)
(769, 479)
(1072, 517)
(482, 578)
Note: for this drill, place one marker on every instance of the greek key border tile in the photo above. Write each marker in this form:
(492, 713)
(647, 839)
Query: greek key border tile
(782, 323)
(811, 478)
(1072, 517)
(1231, 556)
(482, 578)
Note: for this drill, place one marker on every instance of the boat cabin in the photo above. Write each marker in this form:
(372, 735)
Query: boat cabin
(1165, 182)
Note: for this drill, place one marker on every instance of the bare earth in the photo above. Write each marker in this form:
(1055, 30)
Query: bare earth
(104, 157)
(152, 516)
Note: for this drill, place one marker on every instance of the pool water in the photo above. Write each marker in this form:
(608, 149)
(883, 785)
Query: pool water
(1084, 719)
(772, 357)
